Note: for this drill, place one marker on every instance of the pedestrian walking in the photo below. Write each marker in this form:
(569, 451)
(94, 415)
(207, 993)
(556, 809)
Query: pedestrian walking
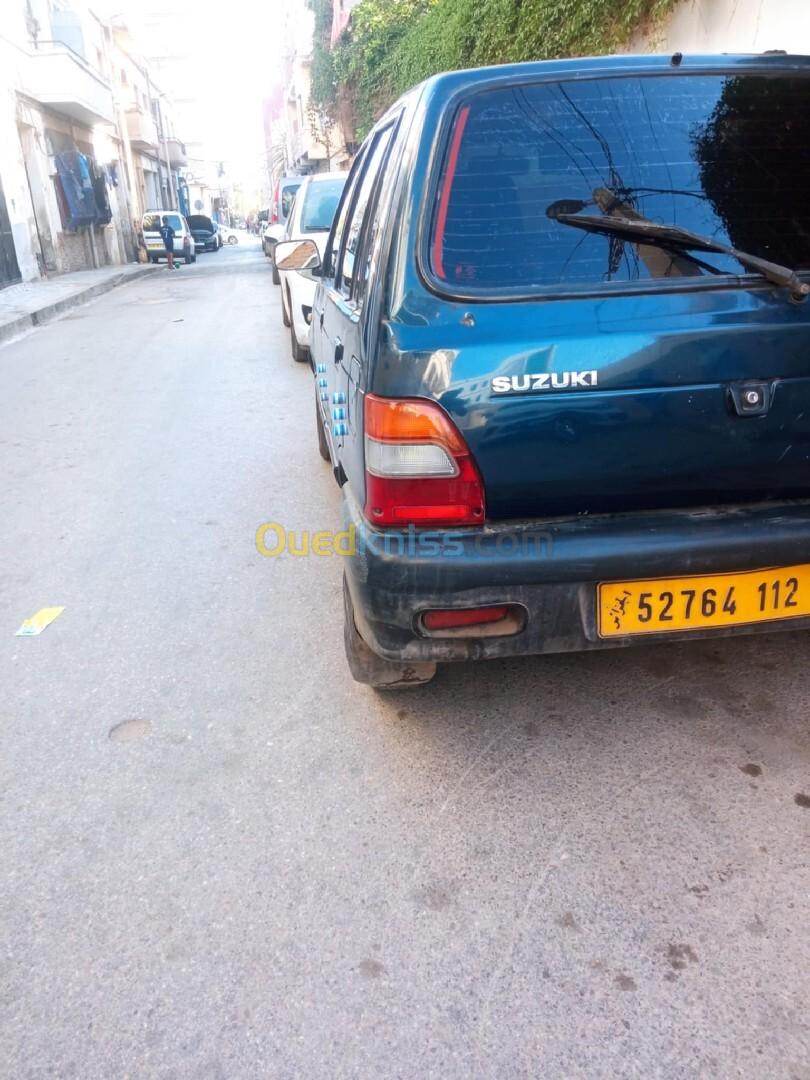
(167, 233)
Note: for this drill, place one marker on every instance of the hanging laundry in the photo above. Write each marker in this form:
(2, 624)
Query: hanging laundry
(73, 169)
(100, 192)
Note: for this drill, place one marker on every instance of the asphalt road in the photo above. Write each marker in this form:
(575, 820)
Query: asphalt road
(222, 858)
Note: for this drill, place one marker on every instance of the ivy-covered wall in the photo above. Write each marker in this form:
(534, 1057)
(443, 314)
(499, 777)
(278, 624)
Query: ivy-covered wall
(392, 44)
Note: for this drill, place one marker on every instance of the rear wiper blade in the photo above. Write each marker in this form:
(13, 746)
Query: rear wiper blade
(676, 237)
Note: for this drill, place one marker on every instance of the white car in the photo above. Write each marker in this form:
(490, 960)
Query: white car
(183, 240)
(229, 236)
(311, 219)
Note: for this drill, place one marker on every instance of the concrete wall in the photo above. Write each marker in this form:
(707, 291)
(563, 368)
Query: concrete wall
(716, 26)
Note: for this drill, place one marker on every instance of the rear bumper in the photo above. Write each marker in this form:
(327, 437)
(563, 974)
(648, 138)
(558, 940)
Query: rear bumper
(302, 295)
(551, 569)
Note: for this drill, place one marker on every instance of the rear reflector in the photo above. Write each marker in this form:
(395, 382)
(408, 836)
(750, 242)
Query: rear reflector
(419, 470)
(442, 620)
(498, 620)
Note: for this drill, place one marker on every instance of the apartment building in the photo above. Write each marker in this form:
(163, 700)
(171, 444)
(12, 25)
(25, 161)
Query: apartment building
(85, 142)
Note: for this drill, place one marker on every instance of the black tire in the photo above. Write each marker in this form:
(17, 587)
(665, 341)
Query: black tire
(276, 276)
(285, 318)
(154, 259)
(189, 259)
(233, 239)
(372, 670)
(323, 445)
(300, 353)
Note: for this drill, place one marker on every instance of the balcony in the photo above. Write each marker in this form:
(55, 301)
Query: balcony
(142, 130)
(177, 153)
(60, 79)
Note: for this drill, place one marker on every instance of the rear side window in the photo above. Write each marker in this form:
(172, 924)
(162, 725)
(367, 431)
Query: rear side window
(287, 196)
(320, 203)
(724, 156)
(153, 222)
(336, 239)
(374, 163)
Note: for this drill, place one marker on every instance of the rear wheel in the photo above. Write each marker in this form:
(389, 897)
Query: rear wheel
(189, 259)
(323, 445)
(233, 239)
(154, 259)
(372, 670)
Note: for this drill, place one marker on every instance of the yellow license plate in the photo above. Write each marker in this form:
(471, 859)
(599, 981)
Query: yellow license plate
(662, 605)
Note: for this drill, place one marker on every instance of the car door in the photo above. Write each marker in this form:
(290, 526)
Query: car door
(339, 371)
(325, 337)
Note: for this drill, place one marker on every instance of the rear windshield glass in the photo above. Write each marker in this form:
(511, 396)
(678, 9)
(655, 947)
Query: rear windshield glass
(320, 203)
(726, 157)
(287, 196)
(153, 222)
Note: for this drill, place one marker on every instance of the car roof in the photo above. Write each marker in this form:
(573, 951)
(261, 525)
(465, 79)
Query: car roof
(447, 84)
(317, 178)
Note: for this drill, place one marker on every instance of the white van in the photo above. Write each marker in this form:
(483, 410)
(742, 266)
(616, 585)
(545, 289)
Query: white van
(183, 240)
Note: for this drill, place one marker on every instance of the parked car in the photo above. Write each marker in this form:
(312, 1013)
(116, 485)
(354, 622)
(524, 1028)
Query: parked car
(205, 232)
(228, 235)
(279, 211)
(184, 247)
(561, 340)
(310, 218)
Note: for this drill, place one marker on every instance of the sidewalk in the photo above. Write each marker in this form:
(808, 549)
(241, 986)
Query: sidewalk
(33, 303)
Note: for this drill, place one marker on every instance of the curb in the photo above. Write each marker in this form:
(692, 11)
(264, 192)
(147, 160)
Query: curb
(50, 312)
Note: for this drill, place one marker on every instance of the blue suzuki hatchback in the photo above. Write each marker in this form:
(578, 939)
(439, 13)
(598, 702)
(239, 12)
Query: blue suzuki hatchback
(562, 360)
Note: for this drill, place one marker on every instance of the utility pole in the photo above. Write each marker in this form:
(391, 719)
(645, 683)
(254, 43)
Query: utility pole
(165, 141)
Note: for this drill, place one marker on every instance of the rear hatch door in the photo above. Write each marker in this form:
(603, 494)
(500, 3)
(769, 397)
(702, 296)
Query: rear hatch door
(590, 373)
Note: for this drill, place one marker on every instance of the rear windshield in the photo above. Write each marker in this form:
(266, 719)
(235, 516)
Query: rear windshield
(287, 196)
(727, 157)
(320, 203)
(153, 222)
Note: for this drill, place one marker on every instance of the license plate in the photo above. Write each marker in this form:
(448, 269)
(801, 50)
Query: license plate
(154, 244)
(663, 605)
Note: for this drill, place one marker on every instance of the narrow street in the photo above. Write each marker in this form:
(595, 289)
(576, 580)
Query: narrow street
(224, 859)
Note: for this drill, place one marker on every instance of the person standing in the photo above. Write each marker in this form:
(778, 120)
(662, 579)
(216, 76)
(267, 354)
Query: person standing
(167, 233)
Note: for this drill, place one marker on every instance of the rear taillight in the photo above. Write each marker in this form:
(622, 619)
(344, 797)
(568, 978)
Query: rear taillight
(419, 470)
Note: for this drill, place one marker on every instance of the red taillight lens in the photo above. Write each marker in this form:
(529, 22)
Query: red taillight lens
(419, 470)
(448, 619)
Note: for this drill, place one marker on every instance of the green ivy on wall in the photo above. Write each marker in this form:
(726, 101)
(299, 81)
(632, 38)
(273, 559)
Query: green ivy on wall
(392, 44)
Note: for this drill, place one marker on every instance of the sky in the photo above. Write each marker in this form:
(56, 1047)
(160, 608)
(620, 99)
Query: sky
(233, 51)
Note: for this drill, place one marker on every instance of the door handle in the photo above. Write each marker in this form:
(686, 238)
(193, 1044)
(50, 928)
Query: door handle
(320, 318)
(338, 350)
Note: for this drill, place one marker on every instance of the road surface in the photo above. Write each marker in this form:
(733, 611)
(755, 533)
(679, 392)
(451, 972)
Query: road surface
(224, 859)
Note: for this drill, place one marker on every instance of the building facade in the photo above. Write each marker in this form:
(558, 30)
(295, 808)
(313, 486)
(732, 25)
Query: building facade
(86, 139)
